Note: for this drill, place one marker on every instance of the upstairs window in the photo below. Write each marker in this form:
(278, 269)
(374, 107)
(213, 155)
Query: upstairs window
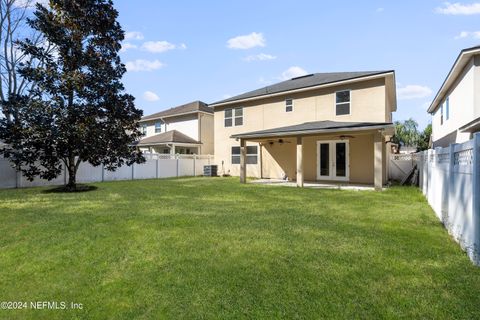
(228, 117)
(288, 105)
(143, 129)
(158, 127)
(234, 117)
(441, 114)
(252, 155)
(447, 108)
(342, 102)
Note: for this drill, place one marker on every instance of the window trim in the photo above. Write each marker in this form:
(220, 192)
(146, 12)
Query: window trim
(293, 104)
(233, 117)
(447, 108)
(144, 128)
(335, 103)
(158, 122)
(240, 154)
(441, 114)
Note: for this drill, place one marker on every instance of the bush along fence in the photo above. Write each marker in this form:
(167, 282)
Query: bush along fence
(450, 180)
(156, 166)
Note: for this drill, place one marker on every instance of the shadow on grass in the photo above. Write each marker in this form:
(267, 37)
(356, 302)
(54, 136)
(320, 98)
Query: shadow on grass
(65, 189)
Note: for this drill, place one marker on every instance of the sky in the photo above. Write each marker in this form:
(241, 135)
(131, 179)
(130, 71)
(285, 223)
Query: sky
(181, 51)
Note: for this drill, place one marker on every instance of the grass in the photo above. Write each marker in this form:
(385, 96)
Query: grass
(212, 248)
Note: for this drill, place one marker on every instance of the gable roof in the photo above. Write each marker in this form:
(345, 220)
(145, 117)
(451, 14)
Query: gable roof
(316, 127)
(457, 68)
(188, 108)
(311, 80)
(172, 136)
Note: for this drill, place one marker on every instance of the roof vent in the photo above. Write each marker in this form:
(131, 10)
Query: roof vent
(305, 76)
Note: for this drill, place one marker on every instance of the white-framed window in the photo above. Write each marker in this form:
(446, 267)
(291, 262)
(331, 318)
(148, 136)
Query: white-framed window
(234, 117)
(288, 105)
(342, 102)
(143, 128)
(447, 108)
(252, 155)
(441, 114)
(158, 127)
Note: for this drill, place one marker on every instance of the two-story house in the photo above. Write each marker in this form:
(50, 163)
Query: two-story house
(186, 129)
(456, 107)
(319, 127)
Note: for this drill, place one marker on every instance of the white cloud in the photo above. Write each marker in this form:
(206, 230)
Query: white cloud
(259, 57)
(248, 41)
(380, 10)
(161, 46)
(158, 46)
(468, 34)
(143, 65)
(226, 96)
(413, 91)
(133, 35)
(127, 45)
(150, 96)
(458, 8)
(293, 72)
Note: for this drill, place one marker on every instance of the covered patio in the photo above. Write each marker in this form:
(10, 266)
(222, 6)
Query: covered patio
(346, 153)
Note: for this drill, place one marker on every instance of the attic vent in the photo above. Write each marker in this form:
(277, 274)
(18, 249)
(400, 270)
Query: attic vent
(305, 76)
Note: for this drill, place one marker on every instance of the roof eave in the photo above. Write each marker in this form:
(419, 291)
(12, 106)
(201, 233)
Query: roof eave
(174, 115)
(314, 131)
(324, 85)
(464, 56)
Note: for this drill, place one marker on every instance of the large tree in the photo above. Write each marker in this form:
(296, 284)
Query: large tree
(77, 109)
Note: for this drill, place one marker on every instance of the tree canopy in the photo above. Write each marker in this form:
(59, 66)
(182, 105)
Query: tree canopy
(77, 109)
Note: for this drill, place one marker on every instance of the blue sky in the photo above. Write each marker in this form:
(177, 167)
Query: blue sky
(180, 51)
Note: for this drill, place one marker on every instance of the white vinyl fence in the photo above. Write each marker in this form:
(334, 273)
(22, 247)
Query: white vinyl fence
(156, 166)
(400, 165)
(450, 180)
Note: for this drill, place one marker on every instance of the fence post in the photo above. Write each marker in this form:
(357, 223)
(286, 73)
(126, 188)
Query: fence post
(176, 157)
(133, 171)
(476, 197)
(194, 165)
(156, 168)
(103, 172)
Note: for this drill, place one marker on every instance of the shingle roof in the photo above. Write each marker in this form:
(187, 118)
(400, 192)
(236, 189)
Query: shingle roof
(314, 127)
(302, 82)
(172, 136)
(191, 107)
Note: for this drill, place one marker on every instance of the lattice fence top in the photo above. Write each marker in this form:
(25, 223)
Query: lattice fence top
(463, 157)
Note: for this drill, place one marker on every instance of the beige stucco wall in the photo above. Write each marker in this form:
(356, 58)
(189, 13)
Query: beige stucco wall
(206, 133)
(279, 159)
(368, 104)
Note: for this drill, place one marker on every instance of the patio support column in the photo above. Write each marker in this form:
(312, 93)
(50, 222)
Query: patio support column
(378, 160)
(300, 162)
(243, 161)
(172, 150)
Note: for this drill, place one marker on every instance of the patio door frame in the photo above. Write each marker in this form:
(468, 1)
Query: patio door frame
(332, 160)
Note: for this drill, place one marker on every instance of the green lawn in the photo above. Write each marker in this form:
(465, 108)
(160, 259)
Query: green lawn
(212, 248)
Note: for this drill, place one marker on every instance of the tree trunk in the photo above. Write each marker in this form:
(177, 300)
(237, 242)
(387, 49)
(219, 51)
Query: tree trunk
(72, 175)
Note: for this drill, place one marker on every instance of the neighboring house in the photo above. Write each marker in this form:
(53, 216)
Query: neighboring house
(186, 129)
(456, 107)
(319, 127)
